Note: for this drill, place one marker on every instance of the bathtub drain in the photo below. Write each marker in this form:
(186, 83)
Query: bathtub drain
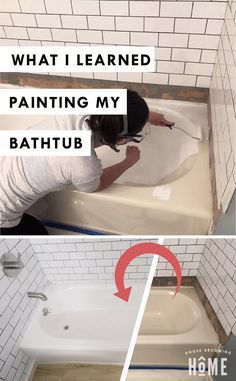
(66, 327)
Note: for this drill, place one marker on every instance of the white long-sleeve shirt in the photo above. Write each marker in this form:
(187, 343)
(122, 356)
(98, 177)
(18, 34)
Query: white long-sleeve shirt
(26, 179)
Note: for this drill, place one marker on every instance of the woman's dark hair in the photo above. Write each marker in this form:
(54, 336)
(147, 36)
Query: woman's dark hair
(108, 129)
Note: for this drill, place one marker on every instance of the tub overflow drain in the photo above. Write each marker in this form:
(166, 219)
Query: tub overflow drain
(66, 327)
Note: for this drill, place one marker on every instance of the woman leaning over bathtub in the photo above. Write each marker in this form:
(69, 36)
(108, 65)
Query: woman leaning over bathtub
(27, 179)
(115, 130)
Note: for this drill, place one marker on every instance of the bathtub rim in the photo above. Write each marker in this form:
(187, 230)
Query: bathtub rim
(164, 290)
(186, 338)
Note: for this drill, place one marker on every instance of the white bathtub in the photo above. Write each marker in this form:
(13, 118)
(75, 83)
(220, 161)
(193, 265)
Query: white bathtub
(173, 326)
(85, 324)
(140, 202)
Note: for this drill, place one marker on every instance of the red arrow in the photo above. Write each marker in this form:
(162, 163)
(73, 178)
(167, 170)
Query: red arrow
(135, 251)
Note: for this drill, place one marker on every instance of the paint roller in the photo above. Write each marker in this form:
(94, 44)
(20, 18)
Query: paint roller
(194, 131)
(197, 134)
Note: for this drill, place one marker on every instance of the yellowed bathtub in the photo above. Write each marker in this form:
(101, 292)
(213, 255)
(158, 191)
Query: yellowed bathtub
(181, 203)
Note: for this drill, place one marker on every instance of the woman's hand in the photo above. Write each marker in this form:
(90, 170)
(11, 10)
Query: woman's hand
(132, 155)
(112, 173)
(159, 120)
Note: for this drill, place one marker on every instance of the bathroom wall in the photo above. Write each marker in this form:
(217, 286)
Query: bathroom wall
(185, 33)
(226, 223)
(16, 309)
(223, 109)
(217, 276)
(88, 260)
(188, 252)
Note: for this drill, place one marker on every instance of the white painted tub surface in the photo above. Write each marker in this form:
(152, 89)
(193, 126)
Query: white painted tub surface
(141, 201)
(172, 326)
(85, 324)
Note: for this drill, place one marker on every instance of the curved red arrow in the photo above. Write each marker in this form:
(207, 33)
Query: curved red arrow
(135, 251)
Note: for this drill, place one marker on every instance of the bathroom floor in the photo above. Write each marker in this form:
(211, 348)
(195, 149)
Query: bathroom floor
(77, 372)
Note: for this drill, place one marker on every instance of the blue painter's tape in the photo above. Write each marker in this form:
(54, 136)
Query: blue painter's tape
(71, 228)
(159, 367)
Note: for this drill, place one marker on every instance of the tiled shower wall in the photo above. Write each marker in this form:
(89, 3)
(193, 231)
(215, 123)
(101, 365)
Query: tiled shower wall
(87, 261)
(188, 252)
(217, 276)
(223, 109)
(16, 309)
(185, 33)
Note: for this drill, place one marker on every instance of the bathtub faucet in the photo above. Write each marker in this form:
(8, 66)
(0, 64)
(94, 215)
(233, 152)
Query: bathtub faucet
(38, 295)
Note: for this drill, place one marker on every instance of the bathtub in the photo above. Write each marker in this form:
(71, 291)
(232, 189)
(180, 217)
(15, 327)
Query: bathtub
(173, 326)
(140, 202)
(85, 324)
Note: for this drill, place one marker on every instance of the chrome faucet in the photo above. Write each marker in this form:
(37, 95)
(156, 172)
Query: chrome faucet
(38, 295)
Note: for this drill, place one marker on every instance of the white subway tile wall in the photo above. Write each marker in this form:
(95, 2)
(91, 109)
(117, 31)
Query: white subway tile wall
(16, 308)
(171, 26)
(223, 109)
(217, 276)
(188, 252)
(88, 260)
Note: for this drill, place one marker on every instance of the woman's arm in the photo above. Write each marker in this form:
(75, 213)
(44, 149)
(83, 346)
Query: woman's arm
(110, 174)
(159, 120)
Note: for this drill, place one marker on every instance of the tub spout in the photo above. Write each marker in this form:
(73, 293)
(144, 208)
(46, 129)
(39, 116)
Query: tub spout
(38, 295)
